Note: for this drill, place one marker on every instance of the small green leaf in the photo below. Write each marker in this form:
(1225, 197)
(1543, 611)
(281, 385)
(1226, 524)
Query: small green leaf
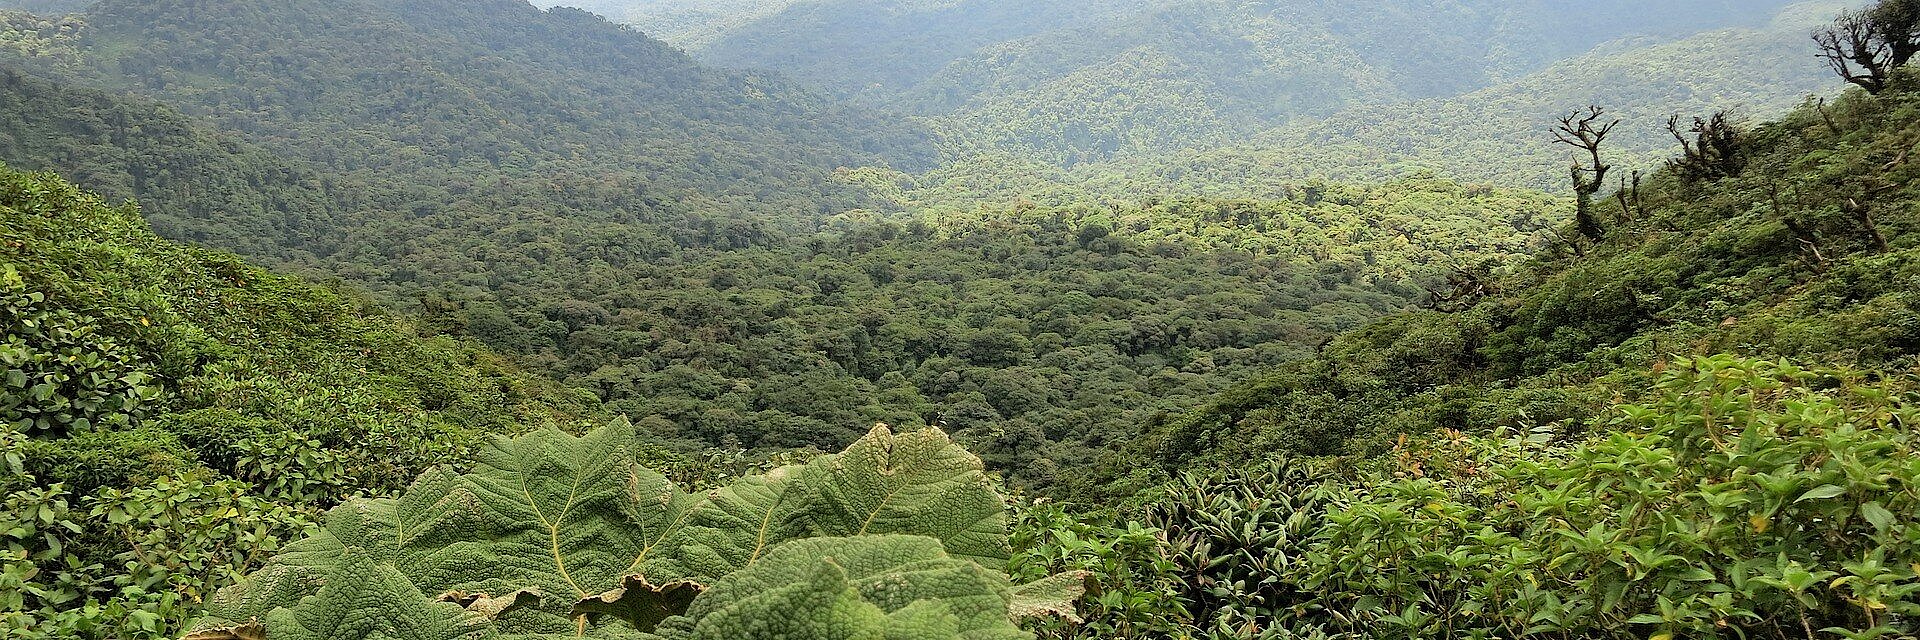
(1821, 492)
(1877, 515)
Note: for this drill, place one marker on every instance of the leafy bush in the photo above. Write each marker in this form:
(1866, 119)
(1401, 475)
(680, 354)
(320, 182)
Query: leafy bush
(1132, 590)
(1806, 254)
(123, 563)
(1232, 537)
(1745, 498)
(555, 534)
(61, 372)
(892, 586)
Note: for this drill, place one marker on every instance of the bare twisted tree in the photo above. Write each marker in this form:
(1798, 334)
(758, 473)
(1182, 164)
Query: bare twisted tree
(1583, 130)
(1865, 46)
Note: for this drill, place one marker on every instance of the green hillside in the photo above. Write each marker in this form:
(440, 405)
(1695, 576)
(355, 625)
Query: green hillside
(1800, 255)
(47, 7)
(1617, 439)
(153, 387)
(1072, 83)
(893, 47)
(1495, 134)
(1037, 335)
(194, 183)
(711, 325)
(688, 24)
(424, 101)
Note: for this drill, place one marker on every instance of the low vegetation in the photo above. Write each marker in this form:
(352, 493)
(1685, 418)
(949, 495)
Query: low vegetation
(173, 414)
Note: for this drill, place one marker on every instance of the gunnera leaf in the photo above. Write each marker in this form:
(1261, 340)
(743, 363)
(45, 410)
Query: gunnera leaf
(358, 600)
(882, 587)
(544, 514)
(549, 533)
(918, 483)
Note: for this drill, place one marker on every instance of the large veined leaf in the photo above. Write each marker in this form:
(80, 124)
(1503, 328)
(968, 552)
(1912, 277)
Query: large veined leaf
(546, 515)
(883, 587)
(917, 483)
(362, 599)
(555, 534)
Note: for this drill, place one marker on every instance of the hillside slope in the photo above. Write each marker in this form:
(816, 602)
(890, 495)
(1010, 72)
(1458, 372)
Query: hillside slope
(446, 94)
(1696, 418)
(1080, 82)
(47, 7)
(1496, 134)
(905, 44)
(1809, 252)
(195, 184)
(150, 387)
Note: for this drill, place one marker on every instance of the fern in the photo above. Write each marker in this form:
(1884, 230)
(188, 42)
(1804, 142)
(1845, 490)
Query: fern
(553, 535)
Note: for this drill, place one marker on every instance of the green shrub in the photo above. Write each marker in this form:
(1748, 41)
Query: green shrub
(1745, 498)
(122, 563)
(1133, 587)
(90, 460)
(170, 414)
(61, 372)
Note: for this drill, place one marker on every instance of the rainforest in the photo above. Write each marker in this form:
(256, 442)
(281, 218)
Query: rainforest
(959, 319)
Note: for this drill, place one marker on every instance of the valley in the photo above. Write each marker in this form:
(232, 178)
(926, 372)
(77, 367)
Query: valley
(665, 319)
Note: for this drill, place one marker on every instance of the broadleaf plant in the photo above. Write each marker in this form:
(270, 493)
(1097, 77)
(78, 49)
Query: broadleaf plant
(563, 536)
(884, 586)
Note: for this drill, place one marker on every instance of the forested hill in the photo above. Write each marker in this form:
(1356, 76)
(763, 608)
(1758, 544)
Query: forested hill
(1069, 83)
(688, 24)
(945, 52)
(1036, 334)
(155, 392)
(1492, 135)
(195, 183)
(46, 7)
(416, 96)
(1798, 242)
(1757, 71)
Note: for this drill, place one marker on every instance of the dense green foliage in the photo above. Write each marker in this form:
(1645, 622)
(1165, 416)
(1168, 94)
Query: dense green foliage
(1071, 82)
(1802, 254)
(1512, 469)
(1300, 407)
(46, 7)
(556, 536)
(687, 24)
(1495, 133)
(1744, 498)
(450, 120)
(154, 391)
(193, 183)
(1038, 335)
(949, 53)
